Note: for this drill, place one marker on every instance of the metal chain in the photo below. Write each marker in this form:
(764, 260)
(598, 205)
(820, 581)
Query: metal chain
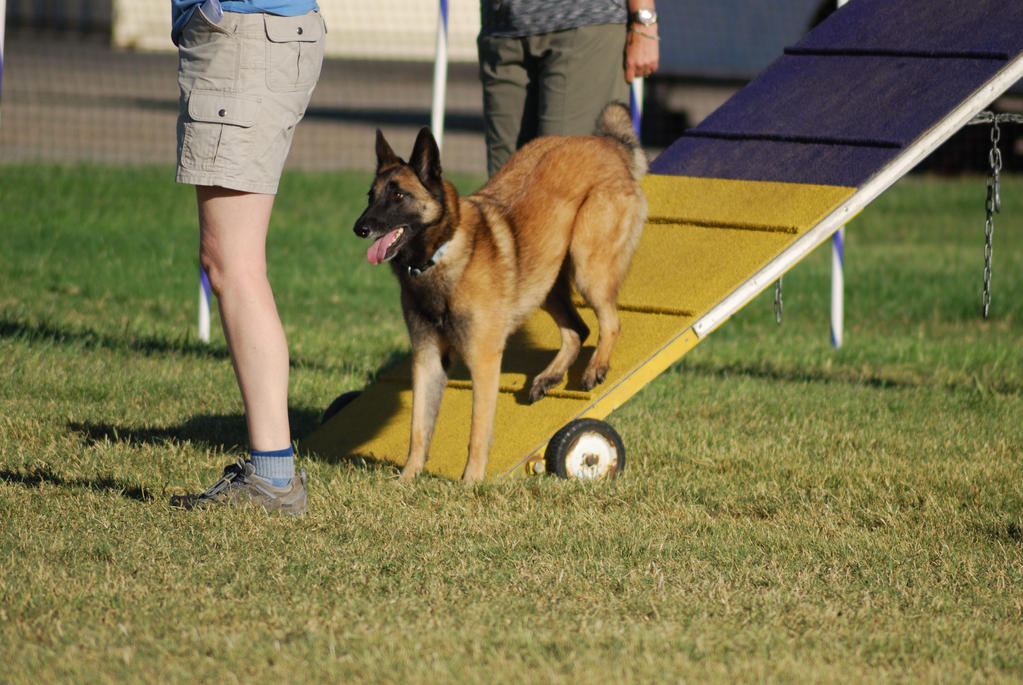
(777, 301)
(992, 205)
(991, 117)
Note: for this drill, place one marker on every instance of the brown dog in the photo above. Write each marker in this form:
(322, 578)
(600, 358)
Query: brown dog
(562, 210)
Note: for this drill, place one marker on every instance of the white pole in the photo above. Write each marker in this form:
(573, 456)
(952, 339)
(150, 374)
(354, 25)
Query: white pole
(3, 18)
(440, 74)
(204, 306)
(837, 286)
(636, 93)
(838, 278)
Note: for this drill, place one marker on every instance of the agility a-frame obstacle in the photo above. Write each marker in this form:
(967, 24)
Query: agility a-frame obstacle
(734, 203)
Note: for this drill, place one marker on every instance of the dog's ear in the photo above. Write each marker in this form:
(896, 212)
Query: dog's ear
(425, 160)
(385, 155)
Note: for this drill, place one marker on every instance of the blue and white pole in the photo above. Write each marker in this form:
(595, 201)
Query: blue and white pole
(837, 286)
(636, 103)
(440, 74)
(838, 278)
(204, 306)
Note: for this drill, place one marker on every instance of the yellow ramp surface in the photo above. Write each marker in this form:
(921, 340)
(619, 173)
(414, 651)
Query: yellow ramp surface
(704, 238)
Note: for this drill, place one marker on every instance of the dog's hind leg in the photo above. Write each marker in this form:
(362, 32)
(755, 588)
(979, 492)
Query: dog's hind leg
(429, 378)
(608, 326)
(601, 262)
(573, 332)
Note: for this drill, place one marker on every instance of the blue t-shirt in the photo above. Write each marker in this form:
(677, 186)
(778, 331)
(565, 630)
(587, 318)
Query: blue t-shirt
(181, 10)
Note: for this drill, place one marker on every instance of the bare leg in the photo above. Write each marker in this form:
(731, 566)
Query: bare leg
(232, 247)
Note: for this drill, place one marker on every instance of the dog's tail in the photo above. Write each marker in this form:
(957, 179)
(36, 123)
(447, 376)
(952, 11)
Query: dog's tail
(616, 122)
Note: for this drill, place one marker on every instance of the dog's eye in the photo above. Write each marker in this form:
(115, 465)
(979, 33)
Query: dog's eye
(398, 195)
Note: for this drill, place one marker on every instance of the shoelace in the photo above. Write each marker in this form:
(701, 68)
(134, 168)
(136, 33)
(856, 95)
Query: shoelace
(232, 472)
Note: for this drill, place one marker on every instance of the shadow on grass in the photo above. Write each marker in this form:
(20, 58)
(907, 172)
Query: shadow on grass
(1003, 531)
(226, 433)
(880, 379)
(35, 477)
(220, 433)
(792, 374)
(86, 338)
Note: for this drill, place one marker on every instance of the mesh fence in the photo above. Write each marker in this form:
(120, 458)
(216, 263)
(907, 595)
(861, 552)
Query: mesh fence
(95, 80)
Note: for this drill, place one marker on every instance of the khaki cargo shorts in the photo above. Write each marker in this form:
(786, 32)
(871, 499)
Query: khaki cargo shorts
(245, 83)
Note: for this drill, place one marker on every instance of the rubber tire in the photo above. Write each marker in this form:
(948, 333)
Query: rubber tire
(558, 455)
(339, 403)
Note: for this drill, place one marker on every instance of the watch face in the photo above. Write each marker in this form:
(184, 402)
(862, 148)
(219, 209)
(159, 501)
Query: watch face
(645, 16)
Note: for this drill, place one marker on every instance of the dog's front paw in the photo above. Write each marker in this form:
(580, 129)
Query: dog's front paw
(473, 475)
(409, 472)
(541, 386)
(594, 377)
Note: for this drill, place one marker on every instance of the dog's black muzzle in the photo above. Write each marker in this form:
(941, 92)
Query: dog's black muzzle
(364, 226)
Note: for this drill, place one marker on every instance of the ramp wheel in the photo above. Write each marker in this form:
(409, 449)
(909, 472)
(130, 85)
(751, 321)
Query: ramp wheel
(586, 449)
(339, 403)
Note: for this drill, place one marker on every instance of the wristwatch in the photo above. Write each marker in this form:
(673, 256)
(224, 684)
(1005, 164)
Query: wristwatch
(644, 16)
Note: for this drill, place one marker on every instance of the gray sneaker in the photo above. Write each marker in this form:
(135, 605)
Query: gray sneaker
(239, 486)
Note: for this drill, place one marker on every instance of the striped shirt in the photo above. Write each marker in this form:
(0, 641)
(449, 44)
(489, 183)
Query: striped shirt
(518, 18)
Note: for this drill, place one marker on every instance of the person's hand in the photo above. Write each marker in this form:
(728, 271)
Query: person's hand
(642, 52)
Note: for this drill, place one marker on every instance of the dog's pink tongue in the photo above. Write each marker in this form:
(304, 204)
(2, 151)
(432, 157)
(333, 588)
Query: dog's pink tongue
(378, 250)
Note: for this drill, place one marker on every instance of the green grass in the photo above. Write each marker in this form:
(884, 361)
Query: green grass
(789, 512)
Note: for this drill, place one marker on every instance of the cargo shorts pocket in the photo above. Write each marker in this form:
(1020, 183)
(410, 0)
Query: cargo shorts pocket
(294, 51)
(216, 130)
